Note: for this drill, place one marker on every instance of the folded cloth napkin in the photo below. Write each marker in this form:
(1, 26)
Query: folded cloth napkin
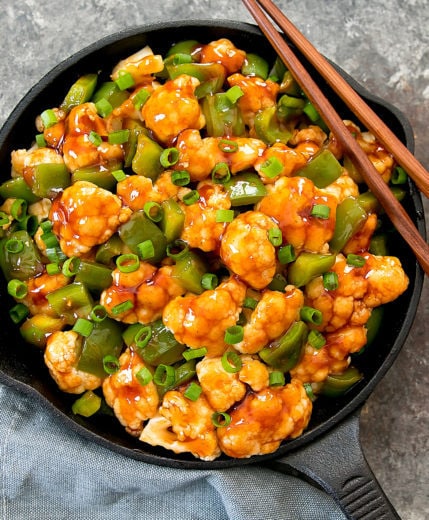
(49, 472)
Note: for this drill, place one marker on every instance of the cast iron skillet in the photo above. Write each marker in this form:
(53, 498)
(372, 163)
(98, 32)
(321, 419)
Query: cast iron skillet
(328, 453)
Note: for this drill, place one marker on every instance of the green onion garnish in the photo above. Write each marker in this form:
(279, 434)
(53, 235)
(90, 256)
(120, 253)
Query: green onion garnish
(125, 306)
(153, 211)
(164, 375)
(234, 334)
(191, 197)
(48, 117)
(178, 249)
(320, 211)
(231, 362)
(275, 236)
(40, 140)
(95, 138)
(311, 315)
(276, 378)
(355, 260)
(224, 215)
(53, 268)
(146, 249)
(118, 137)
(98, 313)
(180, 178)
(17, 289)
(104, 108)
(110, 364)
(221, 419)
(125, 80)
(234, 94)
(18, 312)
(316, 339)
(169, 157)
(399, 176)
(193, 391)
(119, 175)
(14, 245)
(250, 303)
(209, 281)
(143, 336)
(18, 210)
(286, 254)
(144, 376)
(194, 353)
(71, 266)
(128, 263)
(330, 281)
(4, 218)
(309, 391)
(227, 145)
(221, 173)
(271, 167)
(88, 404)
(83, 327)
(46, 226)
(140, 98)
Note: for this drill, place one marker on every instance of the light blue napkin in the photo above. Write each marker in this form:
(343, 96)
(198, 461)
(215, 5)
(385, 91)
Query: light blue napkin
(49, 472)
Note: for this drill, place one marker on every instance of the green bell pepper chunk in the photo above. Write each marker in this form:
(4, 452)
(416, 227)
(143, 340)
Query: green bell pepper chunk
(370, 203)
(222, 116)
(322, 169)
(278, 283)
(23, 264)
(80, 92)
(17, 188)
(308, 266)
(269, 128)
(373, 325)
(99, 174)
(162, 347)
(289, 85)
(95, 276)
(289, 106)
(109, 250)
(71, 302)
(188, 271)
(104, 340)
(245, 188)
(336, 385)
(350, 217)
(184, 373)
(378, 245)
(173, 219)
(285, 352)
(140, 228)
(146, 160)
(183, 47)
(130, 147)
(38, 328)
(201, 71)
(49, 179)
(111, 93)
(255, 65)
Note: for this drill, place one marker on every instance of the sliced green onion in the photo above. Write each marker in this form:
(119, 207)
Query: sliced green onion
(30, 223)
(224, 215)
(125, 306)
(95, 138)
(193, 391)
(53, 268)
(88, 404)
(119, 175)
(49, 239)
(278, 283)
(286, 254)
(17, 289)
(153, 211)
(48, 118)
(271, 167)
(311, 315)
(111, 364)
(164, 375)
(125, 80)
(140, 98)
(18, 210)
(104, 108)
(169, 157)
(221, 419)
(18, 312)
(330, 281)
(98, 313)
(46, 226)
(277, 378)
(191, 197)
(178, 249)
(143, 336)
(4, 218)
(71, 266)
(250, 303)
(221, 173)
(399, 176)
(146, 249)
(118, 137)
(275, 236)
(234, 334)
(144, 376)
(227, 145)
(180, 178)
(320, 211)
(231, 362)
(209, 281)
(355, 260)
(309, 391)
(14, 245)
(128, 263)
(40, 140)
(316, 339)
(234, 94)
(194, 353)
(83, 327)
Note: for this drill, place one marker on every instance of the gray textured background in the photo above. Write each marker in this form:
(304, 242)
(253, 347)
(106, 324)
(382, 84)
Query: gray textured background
(386, 48)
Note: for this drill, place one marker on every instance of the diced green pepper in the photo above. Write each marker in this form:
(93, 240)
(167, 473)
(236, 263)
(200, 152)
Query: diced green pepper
(222, 116)
(162, 347)
(95, 276)
(336, 385)
(173, 219)
(49, 179)
(188, 271)
(245, 188)
(323, 169)
(111, 93)
(146, 160)
(24, 263)
(289, 85)
(38, 328)
(378, 245)
(71, 302)
(80, 92)
(17, 188)
(269, 128)
(88, 404)
(184, 373)
(109, 250)
(255, 65)
(130, 147)
(308, 266)
(370, 203)
(373, 324)
(350, 217)
(289, 106)
(100, 175)
(183, 47)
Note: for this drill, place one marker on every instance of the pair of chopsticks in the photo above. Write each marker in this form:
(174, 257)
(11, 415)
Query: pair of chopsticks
(397, 214)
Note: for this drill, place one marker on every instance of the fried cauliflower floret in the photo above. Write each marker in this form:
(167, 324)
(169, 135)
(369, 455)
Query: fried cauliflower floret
(381, 280)
(290, 201)
(361, 240)
(148, 288)
(203, 319)
(223, 51)
(140, 65)
(38, 288)
(136, 190)
(247, 251)
(172, 108)
(24, 161)
(342, 188)
(290, 159)
(254, 373)
(132, 403)
(264, 419)
(199, 155)
(201, 229)
(257, 95)
(311, 134)
(316, 364)
(62, 353)
(183, 426)
(273, 315)
(85, 216)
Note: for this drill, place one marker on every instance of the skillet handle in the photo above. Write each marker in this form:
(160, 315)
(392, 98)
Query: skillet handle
(336, 464)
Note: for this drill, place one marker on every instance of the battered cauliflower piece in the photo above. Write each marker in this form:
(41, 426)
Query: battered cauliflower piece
(199, 155)
(62, 353)
(38, 288)
(254, 373)
(148, 288)
(381, 280)
(140, 65)
(289, 201)
(132, 403)
(342, 188)
(272, 317)
(203, 319)
(290, 159)
(257, 95)
(247, 251)
(183, 426)
(85, 216)
(264, 419)
(201, 229)
(24, 161)
(316, 364)
(361, 240)
(223, 51)
(172, 108)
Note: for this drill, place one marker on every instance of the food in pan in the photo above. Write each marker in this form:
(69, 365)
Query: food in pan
(188, 246)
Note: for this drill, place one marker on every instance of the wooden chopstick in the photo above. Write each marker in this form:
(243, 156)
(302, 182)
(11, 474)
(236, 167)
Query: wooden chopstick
(397, 214)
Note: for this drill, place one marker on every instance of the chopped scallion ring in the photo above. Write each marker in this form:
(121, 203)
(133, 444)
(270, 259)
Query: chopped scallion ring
(399, 176)
(286, 254)
(234, 334)
(40, 140)
(153, 211)
(311, 315)
(221, 173)
(164, 375)
(18, 312)
(330, 281)
(49, 239)
(118, 137)
(309, 391)
(144, 376)
(4, 218)
(316, 339)
(88, 404)
(250, 303)
(227, 145)
(146, 249)
(224, 215)
(53, 268)
(169, 157)
(140, 98)
(119, 175)
(194, 353)
(104, 108)
(98, 313)
(18, 210)
(125, 306)
(110, 364)
(95, 138)
(271, 167)
(14, 245)
(231, 362)
(191, 197)
(48, 118)
(178, 249)
(83, 327)
(209, 281)
(128, 263)
(180, 178)
(221, 419)
(71, 266)
(320, 211)
(125, 80)
(17, 289)
(46, 226)
(275, 236)
(355, 260)
(276, 378)
(193, 391)
(143, 336)
(234, 94)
